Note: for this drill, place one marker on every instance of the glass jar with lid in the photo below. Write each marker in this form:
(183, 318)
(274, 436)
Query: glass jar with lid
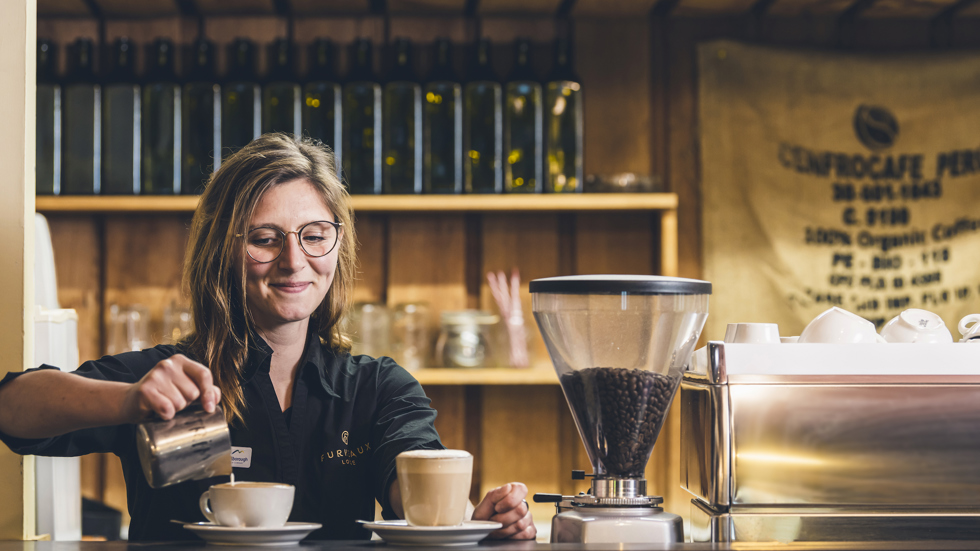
(464, 338)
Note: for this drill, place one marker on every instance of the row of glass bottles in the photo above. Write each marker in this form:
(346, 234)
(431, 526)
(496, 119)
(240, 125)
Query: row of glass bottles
(120, 135)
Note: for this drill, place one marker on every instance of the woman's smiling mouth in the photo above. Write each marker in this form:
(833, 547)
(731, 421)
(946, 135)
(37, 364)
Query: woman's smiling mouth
(289, 287)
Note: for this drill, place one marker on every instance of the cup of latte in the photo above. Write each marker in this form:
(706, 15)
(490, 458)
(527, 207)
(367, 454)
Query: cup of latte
(248, 504)
(435, 486)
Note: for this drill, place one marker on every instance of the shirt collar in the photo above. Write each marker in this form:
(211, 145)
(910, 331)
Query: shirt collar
(326, 364)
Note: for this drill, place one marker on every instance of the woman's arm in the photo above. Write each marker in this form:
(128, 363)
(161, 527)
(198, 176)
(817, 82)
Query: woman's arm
(49, 403)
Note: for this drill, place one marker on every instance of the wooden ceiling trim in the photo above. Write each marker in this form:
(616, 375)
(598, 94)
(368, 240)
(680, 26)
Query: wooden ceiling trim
(613, 8)
(426, 7)
(128, 8)
(712, 7)
(518, 7)
(913, 9)
(62, 8)
(799, 8)
(238, 7)
(330, 7)
(971, 8)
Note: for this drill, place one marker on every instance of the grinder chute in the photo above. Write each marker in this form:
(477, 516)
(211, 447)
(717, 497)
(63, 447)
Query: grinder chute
(619, 344)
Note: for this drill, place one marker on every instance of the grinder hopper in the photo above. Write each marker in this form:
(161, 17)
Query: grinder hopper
(619, 345)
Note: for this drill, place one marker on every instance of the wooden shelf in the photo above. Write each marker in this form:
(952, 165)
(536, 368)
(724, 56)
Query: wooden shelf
(388, 203)
(542, 374)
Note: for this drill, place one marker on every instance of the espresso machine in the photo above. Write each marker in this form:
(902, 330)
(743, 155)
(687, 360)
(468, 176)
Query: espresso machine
(620, 345)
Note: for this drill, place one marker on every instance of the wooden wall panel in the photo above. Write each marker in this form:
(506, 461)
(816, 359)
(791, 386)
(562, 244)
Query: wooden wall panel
(426, 262)
(62, 8)
(615, 243)
(447, 7)
(371, 257)
(521, 441)
(64, 32)
(617, 89)
(143, 261)
(529, 243)
(342, 31)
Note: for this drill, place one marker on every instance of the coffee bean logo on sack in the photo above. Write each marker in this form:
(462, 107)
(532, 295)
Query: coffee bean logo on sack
(875, 127)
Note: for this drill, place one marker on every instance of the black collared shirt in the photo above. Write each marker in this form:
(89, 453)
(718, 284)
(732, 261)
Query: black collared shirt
(351, 415)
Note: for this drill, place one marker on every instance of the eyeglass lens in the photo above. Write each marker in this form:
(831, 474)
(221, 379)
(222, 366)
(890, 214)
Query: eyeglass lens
(315, 238)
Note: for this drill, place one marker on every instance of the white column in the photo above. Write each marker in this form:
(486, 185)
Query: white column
(18, 27)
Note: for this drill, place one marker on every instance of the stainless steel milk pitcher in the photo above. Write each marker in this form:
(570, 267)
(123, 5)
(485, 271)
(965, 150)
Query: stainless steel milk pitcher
(193, 445)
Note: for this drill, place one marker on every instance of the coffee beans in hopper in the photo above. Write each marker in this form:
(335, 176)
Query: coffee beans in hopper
(621, 411)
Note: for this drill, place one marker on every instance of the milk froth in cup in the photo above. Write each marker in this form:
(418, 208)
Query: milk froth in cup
(435, 486)
(248, 504)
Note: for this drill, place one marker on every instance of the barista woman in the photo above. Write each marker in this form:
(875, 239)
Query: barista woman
(270, 268)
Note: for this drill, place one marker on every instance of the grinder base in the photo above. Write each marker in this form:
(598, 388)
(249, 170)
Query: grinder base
(617, 525)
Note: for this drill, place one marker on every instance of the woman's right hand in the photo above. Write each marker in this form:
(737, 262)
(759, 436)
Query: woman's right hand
(169, 387)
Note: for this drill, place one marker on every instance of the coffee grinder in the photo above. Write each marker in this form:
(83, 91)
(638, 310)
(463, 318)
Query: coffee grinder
(619, 345)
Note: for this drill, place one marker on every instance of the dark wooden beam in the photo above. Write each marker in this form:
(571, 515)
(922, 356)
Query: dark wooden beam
(565, 8)
(663, 8)
(93, 8)
(187, 8)
(847, 22)
(941, 25)
(378, 7)
(469, 9)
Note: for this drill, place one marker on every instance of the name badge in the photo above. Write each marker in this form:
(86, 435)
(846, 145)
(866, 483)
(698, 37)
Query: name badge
(241, 458)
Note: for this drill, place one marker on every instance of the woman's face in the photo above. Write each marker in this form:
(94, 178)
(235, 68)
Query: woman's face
(291, 287)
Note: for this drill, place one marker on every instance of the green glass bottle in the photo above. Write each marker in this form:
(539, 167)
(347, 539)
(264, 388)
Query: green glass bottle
(121, 119)
(81, 168)
(161, 122)
(241, 110)
(442, 146)
(281, 92)
(483, 125)
(200, 119)
(563, 123)
(523, 125)
(362, 122)
(322, 100)
(402, 120)
(47, 153)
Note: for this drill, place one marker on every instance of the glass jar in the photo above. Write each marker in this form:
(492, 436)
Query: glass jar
(370, 329)
(410, 335)
(464, 338)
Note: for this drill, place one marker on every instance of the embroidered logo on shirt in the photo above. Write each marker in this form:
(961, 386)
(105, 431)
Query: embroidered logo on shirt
(346, 456)
(241, 457)
(344, 436)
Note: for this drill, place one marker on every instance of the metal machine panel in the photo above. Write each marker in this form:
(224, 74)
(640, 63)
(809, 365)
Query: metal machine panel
(705, 441)
(825, 525)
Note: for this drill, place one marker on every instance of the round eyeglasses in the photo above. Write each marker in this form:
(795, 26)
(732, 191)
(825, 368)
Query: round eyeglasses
(316, 239)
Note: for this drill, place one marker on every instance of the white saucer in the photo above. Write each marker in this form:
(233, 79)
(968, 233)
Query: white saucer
(290, 534)
(398, 532)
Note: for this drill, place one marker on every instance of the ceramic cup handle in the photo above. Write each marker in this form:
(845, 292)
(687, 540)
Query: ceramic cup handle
(208, 513)
(968, 324)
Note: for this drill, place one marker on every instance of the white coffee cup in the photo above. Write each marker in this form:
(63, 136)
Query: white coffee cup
(838, 326)
(755, 333)
(248, 504)
(969, 327)
(435, 486)
(916, 325)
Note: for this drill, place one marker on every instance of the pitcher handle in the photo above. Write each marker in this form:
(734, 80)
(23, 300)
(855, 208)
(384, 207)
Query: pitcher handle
(208, 513)
(964, 325)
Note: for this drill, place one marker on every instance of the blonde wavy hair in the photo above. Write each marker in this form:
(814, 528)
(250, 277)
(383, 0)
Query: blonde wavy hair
(214, 273)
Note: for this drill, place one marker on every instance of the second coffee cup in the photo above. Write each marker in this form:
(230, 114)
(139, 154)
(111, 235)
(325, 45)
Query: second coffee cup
(248, 504)
(435, 486)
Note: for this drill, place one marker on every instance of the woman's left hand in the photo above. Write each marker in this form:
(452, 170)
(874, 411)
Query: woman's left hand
(507, 506)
